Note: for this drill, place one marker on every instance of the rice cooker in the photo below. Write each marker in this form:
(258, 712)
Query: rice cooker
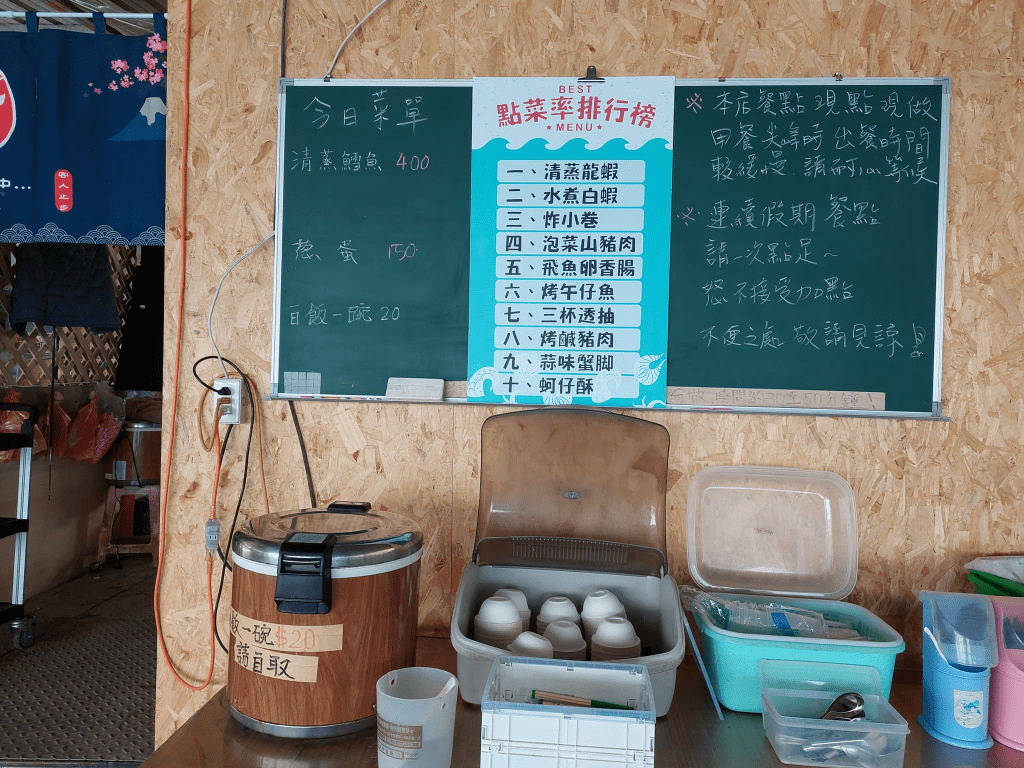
(323, 603)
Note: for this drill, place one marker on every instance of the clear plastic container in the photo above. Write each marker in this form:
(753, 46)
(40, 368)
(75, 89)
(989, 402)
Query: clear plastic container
(963, 625)
(782, 536)
(794, 696)
(564, 486)
(772, 531)
(573, 500)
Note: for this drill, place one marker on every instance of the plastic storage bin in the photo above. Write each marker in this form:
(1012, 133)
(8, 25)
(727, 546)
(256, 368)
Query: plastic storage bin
(794, 696)
(516, 732)
(959, 648)
(1006, 709)
(572, 501)
(773, 534)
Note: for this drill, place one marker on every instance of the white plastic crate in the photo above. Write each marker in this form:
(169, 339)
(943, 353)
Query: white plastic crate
(516, 732)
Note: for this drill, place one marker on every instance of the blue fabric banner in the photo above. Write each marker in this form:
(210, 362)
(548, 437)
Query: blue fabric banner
(82, 135)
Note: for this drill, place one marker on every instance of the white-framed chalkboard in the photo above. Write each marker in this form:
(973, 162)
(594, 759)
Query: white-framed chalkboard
(808, 241)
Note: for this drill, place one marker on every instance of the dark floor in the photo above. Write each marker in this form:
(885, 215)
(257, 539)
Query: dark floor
(83, 693)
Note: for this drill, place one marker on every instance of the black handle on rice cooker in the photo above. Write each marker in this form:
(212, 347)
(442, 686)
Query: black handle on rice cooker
(304, 573)
(350, 507)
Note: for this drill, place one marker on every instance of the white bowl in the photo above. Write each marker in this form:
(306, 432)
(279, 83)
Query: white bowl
(498, 612)
(615, 632)
(566, 639)
(531, 644)
(500, 638)
(600, 604)
(600, 652)
(517, 597)
(558, 608)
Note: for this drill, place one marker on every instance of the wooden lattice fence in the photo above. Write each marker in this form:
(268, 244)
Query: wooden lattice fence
(82, 357)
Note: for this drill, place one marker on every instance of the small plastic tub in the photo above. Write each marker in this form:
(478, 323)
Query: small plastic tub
(795, 694)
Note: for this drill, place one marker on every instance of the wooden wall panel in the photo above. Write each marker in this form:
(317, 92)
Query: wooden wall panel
(931, 495)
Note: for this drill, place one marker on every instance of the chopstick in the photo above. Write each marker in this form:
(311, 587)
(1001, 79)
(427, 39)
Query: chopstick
(575, 701)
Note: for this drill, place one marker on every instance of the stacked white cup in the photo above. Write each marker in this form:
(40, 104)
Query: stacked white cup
(556, 608)
(614, 640)
(532, 644)
(566, 640)
(600, 604)
(497, 623)
(517, 597)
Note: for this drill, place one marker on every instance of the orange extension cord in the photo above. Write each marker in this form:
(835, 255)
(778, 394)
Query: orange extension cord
(174, 400)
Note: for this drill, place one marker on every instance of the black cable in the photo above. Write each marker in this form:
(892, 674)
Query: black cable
(305, 457)
(211, 357)
(241, 494)
(284, 26)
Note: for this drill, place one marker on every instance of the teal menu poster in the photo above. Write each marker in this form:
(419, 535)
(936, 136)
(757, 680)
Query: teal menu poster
(569, 251)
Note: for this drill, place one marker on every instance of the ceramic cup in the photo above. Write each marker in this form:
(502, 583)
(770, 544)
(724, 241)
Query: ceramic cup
(600, 604)
(566, 640)
(531, 644)
(614, 639)
(555, 609)
(517, 597)
(497, 622)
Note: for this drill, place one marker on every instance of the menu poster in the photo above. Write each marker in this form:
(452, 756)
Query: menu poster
(569, 254)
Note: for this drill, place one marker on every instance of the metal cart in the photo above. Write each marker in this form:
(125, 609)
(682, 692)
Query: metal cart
(22, 626)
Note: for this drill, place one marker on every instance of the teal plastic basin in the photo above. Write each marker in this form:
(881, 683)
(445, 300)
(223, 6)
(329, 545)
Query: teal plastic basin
(733, 658)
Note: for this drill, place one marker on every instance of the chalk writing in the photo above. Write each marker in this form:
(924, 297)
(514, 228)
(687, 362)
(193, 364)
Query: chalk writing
(805, 219)
(884, 336)
(414, 163)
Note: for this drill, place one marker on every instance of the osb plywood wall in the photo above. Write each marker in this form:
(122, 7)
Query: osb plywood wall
(931, 496)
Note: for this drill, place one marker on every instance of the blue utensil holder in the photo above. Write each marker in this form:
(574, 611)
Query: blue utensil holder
(955, 697)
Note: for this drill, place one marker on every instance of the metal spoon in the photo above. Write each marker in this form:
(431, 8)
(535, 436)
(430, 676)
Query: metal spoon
(870, 745)
(846, 706)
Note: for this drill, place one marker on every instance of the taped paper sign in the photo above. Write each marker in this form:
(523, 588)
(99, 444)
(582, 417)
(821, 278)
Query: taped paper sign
(279, 666)
(290, 638)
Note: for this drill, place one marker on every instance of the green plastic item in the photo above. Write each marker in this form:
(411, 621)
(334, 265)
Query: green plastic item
(990, 584)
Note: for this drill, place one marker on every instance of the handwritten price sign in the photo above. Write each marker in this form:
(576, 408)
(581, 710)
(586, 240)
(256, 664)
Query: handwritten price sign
(290, 638)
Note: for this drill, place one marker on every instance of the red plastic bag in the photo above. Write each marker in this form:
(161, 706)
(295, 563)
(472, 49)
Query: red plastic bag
(11, 421)
(93, 431)
(60, 428)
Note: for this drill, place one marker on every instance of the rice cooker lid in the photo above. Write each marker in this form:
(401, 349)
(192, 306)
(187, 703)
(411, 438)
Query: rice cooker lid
(362, 538)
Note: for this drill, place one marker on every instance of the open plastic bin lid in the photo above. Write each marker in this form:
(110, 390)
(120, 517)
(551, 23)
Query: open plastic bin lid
(964, 626)
(772, 531)
(573, 488)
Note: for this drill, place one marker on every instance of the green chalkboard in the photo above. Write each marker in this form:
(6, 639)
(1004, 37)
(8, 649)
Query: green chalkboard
(807, 238)
(373, 235)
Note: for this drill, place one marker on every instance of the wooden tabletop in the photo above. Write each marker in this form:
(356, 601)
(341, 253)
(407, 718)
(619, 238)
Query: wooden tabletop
(689, 736)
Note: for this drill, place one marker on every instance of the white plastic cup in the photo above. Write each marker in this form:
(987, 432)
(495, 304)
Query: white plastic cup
(616, 632)
(517, 597)
(556, 608)
(499, 614)
(614, 639)
(416, 718)
(531, 644)
(566, 640)
(600, 604)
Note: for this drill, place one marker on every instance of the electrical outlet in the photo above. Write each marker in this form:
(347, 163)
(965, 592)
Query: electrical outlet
(233, 413)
